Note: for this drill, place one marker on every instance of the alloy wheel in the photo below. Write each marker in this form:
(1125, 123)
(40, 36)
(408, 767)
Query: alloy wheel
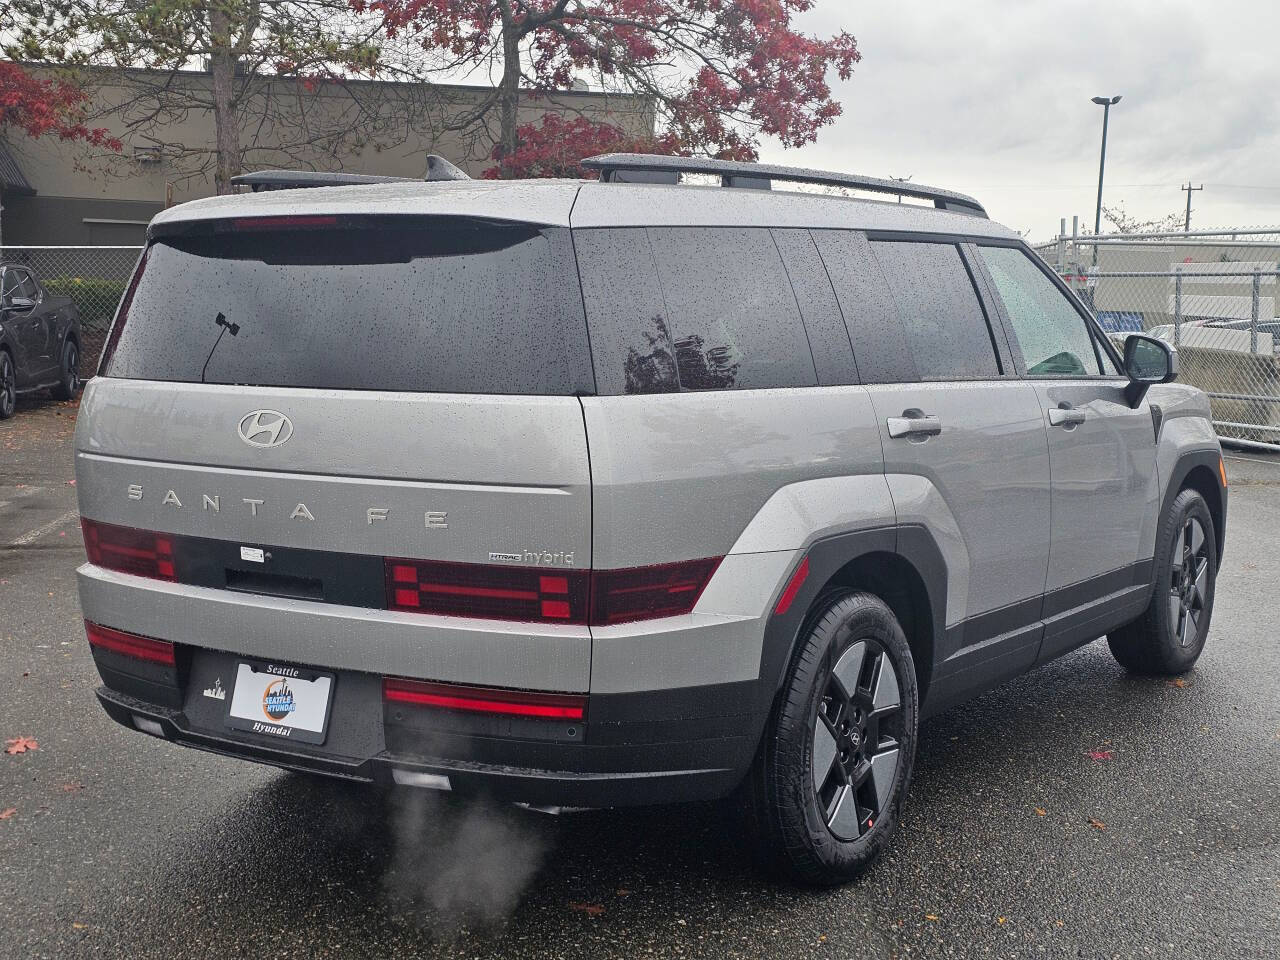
(71, 376)
(8, 385)
(1188, 581)
(857, 740)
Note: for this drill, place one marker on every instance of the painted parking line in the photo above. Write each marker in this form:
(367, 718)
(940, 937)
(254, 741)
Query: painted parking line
(31, 536)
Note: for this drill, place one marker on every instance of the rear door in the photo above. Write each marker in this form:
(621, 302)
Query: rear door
(41, 321)
(1101, 450)
(341, 393)
(964, 442)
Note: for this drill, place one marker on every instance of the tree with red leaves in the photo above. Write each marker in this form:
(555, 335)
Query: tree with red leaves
(715, 74)
(46, 105)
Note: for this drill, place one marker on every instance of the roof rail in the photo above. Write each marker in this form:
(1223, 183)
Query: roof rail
(760, 176)
(438, 168)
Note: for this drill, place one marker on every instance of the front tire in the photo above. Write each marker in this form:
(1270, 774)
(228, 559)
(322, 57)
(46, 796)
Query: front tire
(829, 781)
(8, 386)
(1171, 633)
(69, 372)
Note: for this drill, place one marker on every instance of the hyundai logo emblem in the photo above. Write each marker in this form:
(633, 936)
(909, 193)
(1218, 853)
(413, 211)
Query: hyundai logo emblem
(265, 428)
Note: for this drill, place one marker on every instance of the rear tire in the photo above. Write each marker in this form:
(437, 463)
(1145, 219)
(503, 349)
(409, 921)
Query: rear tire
(8, 386)
(1171, 633)
(828, 783)
(68, 372)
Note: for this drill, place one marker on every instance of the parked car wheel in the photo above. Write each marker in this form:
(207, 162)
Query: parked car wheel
(8, 386)
(1171, 633)
(69, 372)
(829, 781)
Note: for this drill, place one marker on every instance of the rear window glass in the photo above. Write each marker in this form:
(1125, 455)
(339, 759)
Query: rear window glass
(442, 305)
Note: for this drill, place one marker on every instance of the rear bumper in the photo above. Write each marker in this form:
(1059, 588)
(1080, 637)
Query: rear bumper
(619, 774)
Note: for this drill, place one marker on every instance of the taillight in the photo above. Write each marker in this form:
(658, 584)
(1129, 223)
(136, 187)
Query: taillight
(644, 593)
(140, 552)
(492, 593)
(130, 644)
(512, 703)
(539, 595)
(122, 314)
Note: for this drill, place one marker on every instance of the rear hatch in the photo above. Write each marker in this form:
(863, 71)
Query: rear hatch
(301, 400)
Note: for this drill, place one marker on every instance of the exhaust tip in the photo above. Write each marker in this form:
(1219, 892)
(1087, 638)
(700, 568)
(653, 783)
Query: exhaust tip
(148, 726)
(412, 778)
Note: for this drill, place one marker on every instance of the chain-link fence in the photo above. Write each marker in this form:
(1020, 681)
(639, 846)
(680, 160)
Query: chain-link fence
(1213, 294)
(94, 277)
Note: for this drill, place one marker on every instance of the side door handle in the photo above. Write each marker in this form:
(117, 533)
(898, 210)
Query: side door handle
(1065, 417)
(913, 423)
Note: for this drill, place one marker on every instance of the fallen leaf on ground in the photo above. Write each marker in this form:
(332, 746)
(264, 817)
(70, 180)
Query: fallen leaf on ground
(6, 814)
(72, 787)
(1001, 920)
(1040, 811)
(931, 916)
(79, 926)
(1100, 754)
(1097, 824)
(590, 909)
(1176, 682)
(20, 745)
(622, 891)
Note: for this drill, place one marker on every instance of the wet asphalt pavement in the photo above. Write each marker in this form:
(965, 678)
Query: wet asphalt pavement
(1075, 812)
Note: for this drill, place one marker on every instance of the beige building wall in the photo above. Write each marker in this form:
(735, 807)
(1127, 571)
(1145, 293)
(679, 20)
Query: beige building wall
(83, 197)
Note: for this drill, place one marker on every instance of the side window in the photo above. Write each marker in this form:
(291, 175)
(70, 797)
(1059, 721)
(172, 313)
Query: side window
(27, 286)
(1053, 337)
(832, 351)
(879, 341)
(9, 284)
(631, 345)
(734, 323)
(946, 330)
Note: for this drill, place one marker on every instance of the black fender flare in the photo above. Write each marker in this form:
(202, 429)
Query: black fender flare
(826, 556)
(1182, 467)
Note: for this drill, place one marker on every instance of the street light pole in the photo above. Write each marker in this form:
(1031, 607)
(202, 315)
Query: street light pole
(1106, 103)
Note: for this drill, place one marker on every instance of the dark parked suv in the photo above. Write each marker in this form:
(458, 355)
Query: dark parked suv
(39, 339)
(633, 491)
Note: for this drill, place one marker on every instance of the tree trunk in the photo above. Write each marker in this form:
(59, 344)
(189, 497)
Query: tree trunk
(509, 87)
(222, 64)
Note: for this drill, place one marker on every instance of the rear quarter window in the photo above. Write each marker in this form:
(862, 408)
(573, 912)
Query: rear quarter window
(406, 304)
(691, 308)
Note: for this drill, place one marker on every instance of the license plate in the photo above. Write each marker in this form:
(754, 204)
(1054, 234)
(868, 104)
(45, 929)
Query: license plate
(284, 702)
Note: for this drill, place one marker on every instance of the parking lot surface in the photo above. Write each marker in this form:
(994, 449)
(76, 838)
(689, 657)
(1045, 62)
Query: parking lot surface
(1074, 812)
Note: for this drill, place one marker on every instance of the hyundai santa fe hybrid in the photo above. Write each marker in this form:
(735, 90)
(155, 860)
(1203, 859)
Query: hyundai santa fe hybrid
(588, 494)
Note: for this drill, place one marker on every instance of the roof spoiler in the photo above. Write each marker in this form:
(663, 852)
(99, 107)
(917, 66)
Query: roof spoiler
(649, 168)
(438, 168)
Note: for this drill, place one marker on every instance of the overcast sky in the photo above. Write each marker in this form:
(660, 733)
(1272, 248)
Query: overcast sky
(991, 97)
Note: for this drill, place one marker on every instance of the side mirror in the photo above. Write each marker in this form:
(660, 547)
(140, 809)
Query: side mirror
(1147, 360)
(20, 303)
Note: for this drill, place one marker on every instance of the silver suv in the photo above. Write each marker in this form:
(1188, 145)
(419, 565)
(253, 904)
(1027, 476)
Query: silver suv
(585, 494)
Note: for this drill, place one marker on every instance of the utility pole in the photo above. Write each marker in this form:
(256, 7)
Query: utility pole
(905, 179)
(1186, 228)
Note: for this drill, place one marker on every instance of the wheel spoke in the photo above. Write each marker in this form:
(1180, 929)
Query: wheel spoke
(1183, 624)
(1202, 577)
(1179, 546)
(1175, 609)
(846, 822)
(883, 768)
(824, 754)
(886, 696)
(849, 668)
(1197, 537)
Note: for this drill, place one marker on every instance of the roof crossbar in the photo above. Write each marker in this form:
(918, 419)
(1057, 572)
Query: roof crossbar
(757, 175)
